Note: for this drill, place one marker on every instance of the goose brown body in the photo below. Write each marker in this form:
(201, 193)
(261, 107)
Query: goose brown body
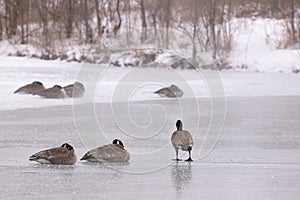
(114, 152)
(75, 90)
(56, 92)
(183, 140)
(31, 88)
(63, 155)
(171, 92)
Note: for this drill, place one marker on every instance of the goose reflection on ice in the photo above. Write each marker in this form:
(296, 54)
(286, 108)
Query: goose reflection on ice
(181, 176)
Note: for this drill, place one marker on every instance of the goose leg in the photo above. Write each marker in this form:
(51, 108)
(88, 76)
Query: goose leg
(177, 155)
(190, 158)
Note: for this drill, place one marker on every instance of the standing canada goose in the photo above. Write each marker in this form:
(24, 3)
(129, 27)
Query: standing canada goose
(31, 88)
(75, 90)
(182, 139)
(63, 155)
(172, 92)
(56, 92)
(114, 152)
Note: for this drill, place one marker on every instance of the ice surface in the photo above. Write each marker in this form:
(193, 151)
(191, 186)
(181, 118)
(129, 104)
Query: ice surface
(256, 157)
(106, 84)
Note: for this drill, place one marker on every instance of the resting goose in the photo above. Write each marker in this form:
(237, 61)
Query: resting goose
(172, 92)
(56, 92)
(182, 139)
(75, 90)
(31, 88)
(114, 152)
(63, 155)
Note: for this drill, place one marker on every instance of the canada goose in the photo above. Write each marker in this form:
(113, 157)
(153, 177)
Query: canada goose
(182, 139)
(75, 90)
(63, 155)
(56, 92)
(172, 92)
(31, 88)
(114, 152)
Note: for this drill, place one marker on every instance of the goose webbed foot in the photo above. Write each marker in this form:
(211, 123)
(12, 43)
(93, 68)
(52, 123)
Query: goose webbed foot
(177, 159)
(189, 160)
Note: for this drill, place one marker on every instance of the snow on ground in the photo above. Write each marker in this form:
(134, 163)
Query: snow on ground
(258, 46)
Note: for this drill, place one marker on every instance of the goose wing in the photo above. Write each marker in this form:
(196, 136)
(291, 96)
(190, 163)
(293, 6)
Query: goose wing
(182, 139)
(69, 90)
(74, 90)
(165, 92)
(51, 93)
(21, 89)
(108, 153)
(58, 155)
(29, 89)
(48, 154)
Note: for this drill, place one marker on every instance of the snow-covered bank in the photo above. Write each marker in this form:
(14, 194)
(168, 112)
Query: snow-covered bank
(258, 47)
(140, 83)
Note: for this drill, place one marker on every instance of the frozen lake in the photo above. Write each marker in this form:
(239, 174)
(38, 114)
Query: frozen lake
(256, 155)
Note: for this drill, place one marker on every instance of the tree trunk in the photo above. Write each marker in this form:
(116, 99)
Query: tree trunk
(1, 29)
(43, 13)
(143, 19)
(27, 21)
(88, 30)
(168, 16)
(99, 24)
(195, 25)
(13, 23)
(70, 15)
(20, 5)
(212, 18)
(10, 18)
(118, 26)
(293, 32)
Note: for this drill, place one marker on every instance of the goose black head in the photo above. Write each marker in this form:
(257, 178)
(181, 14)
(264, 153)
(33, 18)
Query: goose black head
(116, 141)
(37, 83)
(179, 125)
(79, 85)
(173, 87)
(57, 86)
(67, 146)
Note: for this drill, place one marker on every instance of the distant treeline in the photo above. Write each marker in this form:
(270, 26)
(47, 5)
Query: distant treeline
(41, 22)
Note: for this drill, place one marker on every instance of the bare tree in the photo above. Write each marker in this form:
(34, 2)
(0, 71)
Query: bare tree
(43, 11)
(1, 26)
(1, 29)
(69, 15)
(153, 9)
(166, 15)
(99, 23)
(88, 29)
(118, 26)
(195, 21)
(10, 18)
(143, 19)
(292, 22)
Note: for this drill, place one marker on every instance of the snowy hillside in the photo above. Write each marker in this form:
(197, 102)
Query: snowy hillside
(257, 47)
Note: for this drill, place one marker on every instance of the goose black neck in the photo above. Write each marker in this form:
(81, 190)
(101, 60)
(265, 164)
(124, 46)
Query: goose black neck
(179, 125)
